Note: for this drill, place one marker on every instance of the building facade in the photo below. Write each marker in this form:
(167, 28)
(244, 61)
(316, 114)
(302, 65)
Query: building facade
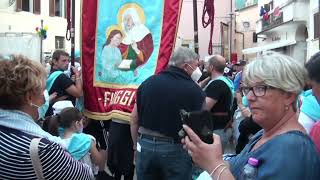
(245, 19)
(314, 28)
(284, 27)
(20, 18)
(221, 34)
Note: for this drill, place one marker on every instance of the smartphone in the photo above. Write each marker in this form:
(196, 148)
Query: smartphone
(200, 122)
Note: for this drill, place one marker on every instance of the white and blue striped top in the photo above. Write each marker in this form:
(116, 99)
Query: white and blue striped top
(15, 161)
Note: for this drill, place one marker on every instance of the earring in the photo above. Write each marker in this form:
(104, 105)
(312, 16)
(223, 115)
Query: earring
(286, 108)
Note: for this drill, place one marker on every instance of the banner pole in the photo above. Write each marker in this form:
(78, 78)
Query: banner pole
(195, 26)
(72, 33)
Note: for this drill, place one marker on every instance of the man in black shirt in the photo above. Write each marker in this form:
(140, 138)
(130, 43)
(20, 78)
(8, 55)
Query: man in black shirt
(219, 92)
(61, 84)
(156, 119)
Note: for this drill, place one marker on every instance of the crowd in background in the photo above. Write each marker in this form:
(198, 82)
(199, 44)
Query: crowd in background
(268, 109)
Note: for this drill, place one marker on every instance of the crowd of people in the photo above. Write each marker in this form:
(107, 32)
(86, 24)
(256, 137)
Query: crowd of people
(272, 105)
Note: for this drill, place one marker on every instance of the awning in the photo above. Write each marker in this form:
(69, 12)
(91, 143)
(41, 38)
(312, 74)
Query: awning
(268, 46)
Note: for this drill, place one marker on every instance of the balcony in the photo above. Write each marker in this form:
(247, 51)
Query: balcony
(287, 12)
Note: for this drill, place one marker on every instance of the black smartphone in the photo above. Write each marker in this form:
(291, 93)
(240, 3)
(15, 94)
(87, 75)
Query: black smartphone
(200, 122)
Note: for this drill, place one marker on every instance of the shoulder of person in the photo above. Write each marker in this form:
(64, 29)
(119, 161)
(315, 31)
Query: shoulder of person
(294, 144)
(218, 83)
(292, 155)
(82, 136)
(63, 76)
(53, 155)
(64, 79)
(46, 146)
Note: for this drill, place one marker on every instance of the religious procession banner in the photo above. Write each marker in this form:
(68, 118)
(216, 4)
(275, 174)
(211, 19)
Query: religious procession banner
(123, 43)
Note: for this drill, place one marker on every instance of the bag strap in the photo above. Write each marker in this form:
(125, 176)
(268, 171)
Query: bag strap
(34, 153)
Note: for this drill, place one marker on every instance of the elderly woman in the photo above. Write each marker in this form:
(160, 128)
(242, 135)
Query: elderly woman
(272, 84)
(27, 152)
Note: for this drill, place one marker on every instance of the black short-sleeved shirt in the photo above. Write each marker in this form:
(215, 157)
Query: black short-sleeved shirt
(219, 91)
(60, 85)
(161, 97)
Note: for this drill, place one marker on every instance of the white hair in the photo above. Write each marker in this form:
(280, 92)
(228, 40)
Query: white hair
(183, 55)
(276, 70)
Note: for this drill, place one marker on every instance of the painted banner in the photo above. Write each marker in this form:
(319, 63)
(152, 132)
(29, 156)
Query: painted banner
(123, 43)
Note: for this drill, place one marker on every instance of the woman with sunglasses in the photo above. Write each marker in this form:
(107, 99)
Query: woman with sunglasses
(271, 84)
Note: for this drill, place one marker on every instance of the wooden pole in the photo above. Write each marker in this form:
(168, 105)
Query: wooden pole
(72, 32)
(195, 26)
(41, 41)
(230, 32)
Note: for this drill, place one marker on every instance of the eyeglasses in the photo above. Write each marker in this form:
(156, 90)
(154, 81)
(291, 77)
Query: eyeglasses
(258, 91)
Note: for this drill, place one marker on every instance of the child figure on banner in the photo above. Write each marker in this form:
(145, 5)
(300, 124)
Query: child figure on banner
(111, 56)
(113, 68)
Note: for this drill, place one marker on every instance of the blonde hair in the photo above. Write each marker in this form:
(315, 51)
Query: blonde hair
(276, 70)
(19, 76)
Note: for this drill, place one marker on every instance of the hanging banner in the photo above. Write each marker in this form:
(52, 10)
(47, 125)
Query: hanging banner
(123, 43)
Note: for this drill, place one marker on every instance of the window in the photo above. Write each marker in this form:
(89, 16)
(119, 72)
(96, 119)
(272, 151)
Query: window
(23, 5)
(29, 6)
(59, 42)
(316, 25)
(56, 8)
(271, 5)
(36, 6)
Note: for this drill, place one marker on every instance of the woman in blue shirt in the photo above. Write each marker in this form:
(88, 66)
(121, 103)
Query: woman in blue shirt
(271, 84)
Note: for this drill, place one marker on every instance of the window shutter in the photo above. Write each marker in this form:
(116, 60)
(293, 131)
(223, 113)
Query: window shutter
(36, 6)
(65, 8)
(18, 5)
(51, 8)
(316, 20)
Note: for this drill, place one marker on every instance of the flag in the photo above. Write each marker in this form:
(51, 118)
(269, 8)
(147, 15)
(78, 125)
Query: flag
(123, 43)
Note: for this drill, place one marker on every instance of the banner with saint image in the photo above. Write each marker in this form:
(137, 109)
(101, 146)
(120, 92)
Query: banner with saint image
(123, 43)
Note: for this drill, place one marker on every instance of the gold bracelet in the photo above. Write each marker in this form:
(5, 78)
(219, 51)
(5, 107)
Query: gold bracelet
(224, 168)
(222, 164)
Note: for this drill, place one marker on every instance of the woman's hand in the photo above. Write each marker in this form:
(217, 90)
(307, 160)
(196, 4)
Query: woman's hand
(206, 156)
(204, 82)
(52, 97)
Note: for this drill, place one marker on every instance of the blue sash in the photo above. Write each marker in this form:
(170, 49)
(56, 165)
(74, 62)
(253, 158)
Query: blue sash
(310, 106)
(52, 77)
(80, 145)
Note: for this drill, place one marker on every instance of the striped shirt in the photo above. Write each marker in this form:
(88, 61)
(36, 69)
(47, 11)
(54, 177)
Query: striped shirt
(15, 161)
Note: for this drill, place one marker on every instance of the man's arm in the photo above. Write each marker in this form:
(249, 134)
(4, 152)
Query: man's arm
(209, 103)
(134, 126)
(76, 90)
(204, 82)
